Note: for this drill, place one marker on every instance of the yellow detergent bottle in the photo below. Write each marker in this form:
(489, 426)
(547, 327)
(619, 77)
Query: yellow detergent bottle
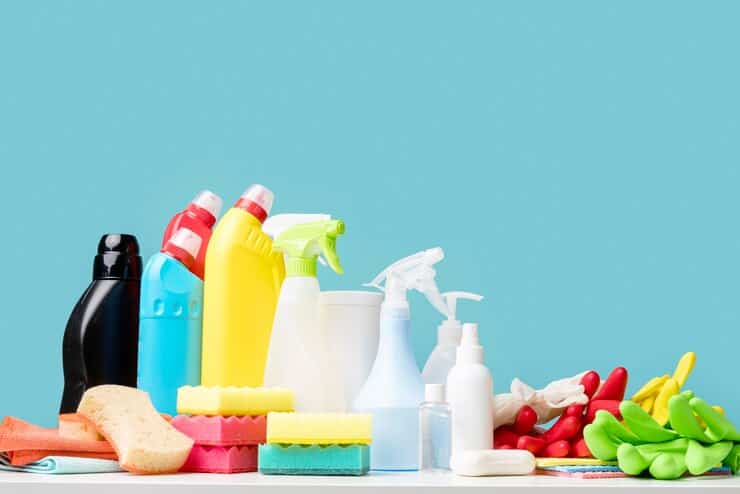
(240, 292)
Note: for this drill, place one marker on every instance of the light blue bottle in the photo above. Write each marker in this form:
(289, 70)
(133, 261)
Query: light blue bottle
(395, 389)
(170, 321)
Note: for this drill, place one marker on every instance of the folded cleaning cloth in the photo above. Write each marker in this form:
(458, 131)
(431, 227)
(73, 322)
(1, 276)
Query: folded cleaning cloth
(547, 402)
(62, 465)
(569, 462)
(25, 443)
(604, 471)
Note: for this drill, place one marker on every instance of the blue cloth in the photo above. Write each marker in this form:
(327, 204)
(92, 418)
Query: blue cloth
(62, 465)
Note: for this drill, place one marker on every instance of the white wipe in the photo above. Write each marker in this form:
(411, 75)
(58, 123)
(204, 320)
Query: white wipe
(486, 462)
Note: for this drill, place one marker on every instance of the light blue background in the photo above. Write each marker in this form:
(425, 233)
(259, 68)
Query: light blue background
(578, 161)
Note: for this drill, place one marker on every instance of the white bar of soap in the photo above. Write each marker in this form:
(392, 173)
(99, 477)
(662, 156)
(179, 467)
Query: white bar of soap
(486, 462)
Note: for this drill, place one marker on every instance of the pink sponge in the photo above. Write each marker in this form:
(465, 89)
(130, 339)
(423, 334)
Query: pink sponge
(222, 431)
(219, 459)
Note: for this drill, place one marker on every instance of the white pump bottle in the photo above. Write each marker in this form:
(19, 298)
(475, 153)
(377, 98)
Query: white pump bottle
(442, 358)
(470, 395)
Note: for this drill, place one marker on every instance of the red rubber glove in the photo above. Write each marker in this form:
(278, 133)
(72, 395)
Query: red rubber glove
(579, 449)
(614, 386)
(558, 449)
(611, 406)
(504, 436)
(532, 444)
(565, 428)
(590, 382)
(525, 421)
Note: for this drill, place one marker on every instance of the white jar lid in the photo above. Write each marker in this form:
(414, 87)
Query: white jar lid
(350, 297)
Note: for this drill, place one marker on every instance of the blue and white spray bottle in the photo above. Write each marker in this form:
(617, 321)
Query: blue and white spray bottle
(394, 389)
(170, 321)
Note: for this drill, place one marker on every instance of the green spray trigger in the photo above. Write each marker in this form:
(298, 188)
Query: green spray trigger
(305, 242)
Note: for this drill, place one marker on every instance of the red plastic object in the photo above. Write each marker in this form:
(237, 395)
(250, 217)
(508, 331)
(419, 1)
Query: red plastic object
(579, 449)
(525, 420)
(558, 449)
(611, 406)
(575, 410)
(199, 221)
(532, 444)
(614, 386)
(565, 428)
(504, 436)
(590, 382)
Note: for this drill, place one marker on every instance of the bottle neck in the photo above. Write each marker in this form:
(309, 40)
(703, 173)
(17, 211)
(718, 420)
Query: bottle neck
(201, 214)
(300, 266)
(394, 332)
(180, 255)
(469, 355)
(449, 333)
(252, 208)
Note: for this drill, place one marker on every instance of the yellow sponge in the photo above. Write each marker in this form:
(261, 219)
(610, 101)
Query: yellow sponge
(319, 428)
(232, 400)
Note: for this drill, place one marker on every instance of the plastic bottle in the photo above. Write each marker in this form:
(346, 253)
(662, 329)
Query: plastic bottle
(299, 357)
(394, 389)
(434, 430)
(240, 292)
(102, 333)
(350, 320)
(470, 395)
(170, 320)
(442, 358)
(199, 217)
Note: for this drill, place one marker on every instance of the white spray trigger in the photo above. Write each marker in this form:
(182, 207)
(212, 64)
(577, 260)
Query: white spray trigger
(451, 299)
(412, 272)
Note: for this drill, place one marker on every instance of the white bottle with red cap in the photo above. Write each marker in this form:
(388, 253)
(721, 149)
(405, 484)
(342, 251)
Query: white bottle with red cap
(242, 284)
(170, 312)
(470, 395)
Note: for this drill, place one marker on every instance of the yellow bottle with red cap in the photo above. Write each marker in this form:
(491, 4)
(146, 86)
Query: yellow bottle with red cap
(241, 287)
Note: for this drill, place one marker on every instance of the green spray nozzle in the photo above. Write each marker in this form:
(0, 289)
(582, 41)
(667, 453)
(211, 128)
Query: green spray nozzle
(304, 243)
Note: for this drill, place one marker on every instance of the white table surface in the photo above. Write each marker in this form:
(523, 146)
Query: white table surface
(254, 483)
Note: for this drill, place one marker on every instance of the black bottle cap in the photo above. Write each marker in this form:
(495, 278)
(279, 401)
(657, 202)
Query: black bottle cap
(118, 258)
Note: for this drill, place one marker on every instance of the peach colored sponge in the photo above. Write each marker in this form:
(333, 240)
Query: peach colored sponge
(145, 442)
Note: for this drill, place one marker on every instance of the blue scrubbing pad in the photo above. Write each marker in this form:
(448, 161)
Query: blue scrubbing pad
(297, 459)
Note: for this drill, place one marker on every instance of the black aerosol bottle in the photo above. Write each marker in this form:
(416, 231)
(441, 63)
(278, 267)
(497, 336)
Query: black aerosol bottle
(102, 335)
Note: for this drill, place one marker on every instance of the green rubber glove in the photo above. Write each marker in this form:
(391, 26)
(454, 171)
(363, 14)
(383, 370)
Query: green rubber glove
(683, 420)
(605, 434)
(668, 466)
(733, 459)
(700, 459)
(643, 425)
(719, 427)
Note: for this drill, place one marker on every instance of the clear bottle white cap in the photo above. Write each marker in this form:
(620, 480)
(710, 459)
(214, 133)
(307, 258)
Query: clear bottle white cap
(260, 195)
(209, 201)
(187, 240)
(434, 393)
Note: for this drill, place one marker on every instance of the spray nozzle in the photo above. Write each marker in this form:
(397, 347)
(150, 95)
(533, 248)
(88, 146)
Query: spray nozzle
(303, 243)
(451, 299)
(412, 272)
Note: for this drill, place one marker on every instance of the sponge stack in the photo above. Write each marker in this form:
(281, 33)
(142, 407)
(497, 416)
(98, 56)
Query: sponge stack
(227, 424)
(316, 444)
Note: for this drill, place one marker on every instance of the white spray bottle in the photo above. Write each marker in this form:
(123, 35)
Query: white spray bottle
(470, 395)
(394, 389)
(442, 358)
(299, 357)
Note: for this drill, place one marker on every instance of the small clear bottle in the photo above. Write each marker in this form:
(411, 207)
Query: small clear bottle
(434, 430)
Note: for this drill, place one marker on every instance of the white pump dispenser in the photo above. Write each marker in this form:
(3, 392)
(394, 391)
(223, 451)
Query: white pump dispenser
(442, 358)
(470, 395)
(394, 389)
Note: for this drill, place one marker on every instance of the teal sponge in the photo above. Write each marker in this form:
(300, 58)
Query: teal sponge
(298, 459)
